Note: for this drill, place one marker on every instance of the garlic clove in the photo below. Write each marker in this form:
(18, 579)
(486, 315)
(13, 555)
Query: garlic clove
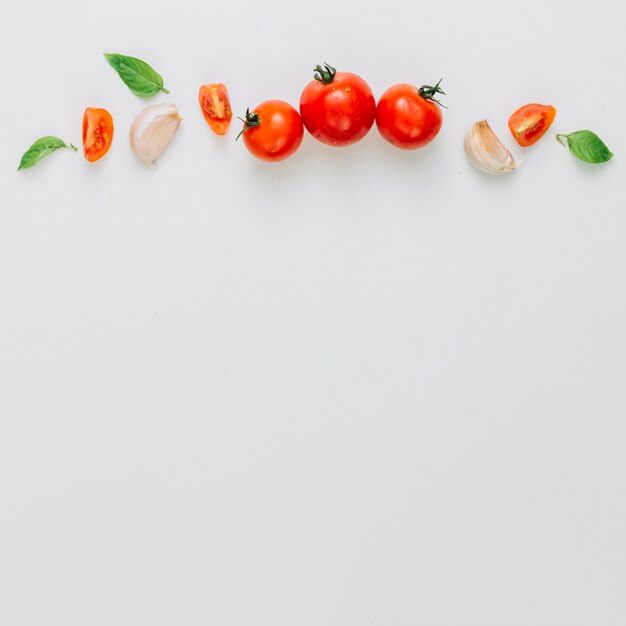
(486, 152)
(152, 131)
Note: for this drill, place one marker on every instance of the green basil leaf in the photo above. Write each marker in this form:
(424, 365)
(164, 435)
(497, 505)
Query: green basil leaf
(587, 146)
(40, 149)
(140, 78)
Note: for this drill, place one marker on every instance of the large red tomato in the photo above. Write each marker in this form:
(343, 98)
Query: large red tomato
(409, 117)
(272, 131)
(337, 108)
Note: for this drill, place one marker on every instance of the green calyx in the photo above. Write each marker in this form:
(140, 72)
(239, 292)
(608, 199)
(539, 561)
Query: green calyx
(429, 92)
(324, 74)
(252, 119)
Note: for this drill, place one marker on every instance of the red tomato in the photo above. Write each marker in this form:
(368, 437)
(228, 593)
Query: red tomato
(529, 123)
(408, 117)
(272, 131)
(337, 108)
(97, 133)
(215, 106)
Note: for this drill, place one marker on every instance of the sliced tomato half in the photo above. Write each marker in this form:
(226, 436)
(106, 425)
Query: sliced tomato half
(215, 106)
(529, 123)
(97, 133)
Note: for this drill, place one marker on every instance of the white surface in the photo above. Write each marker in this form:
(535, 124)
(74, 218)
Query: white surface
(361, 387)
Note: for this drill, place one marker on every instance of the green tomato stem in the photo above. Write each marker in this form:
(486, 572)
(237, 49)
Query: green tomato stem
(324, 75)
(252, 119)
(428, 92)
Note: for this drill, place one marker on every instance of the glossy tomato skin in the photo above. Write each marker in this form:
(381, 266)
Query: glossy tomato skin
(97, 133)
(278, 134)
(530, 123)
(339, 113)
(215, 105)
(406, 119)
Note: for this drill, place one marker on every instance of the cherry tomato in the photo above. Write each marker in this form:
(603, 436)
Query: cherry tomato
(409, 117)
(337, 108)
(272, 131)
(97, 133)
(215, 106)
(529, 123)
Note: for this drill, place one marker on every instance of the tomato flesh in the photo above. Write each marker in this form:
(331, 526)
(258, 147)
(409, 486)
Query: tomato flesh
(529, 123)
(278, 134)
(97, 133)
(339, 113)
(215, 105)
(406, 119)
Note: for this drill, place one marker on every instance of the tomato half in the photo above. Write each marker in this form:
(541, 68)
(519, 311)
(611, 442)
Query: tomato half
(337, 108)
(529, 123)
(409, 117)
(272, 131)
(215, 106)
(97, 133)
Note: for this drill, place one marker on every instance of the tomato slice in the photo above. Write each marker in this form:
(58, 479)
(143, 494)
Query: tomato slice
(97, 133)
(529, 123)
(215, 106)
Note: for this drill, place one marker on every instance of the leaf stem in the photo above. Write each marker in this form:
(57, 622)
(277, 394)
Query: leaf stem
(164, 90)
(73, 147)
(558, 138)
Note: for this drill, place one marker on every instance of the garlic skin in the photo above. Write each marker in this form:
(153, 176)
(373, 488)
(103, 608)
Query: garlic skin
(486, 152)
(152, 131)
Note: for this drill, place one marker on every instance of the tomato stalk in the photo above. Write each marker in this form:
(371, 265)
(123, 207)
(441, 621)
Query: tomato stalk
(252, 119)
(429, 92)
(325, 74)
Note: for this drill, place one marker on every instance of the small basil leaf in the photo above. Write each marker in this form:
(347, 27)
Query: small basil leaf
(140, 78)
(587, 146)
(41, 149)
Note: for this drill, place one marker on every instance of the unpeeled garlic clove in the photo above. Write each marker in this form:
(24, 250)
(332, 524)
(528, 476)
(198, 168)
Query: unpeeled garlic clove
(486, 152)
(152, 131)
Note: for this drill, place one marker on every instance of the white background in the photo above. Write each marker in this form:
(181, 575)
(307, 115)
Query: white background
(362, 386)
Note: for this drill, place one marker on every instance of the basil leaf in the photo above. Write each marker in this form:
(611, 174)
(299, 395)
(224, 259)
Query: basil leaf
(41, 149)
(587, 146)
(140, 78)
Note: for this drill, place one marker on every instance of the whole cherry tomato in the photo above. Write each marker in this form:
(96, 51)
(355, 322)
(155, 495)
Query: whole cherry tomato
(97, 133)
(409, 117)
(272, 131)
(337, 108)
(215, 106)
(529, 123)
